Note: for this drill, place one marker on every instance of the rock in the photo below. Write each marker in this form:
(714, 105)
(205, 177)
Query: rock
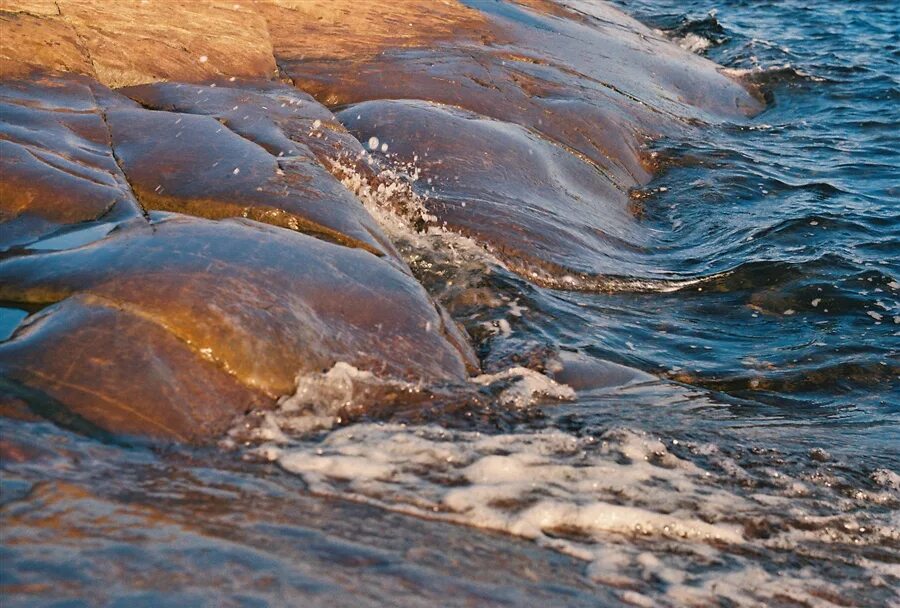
(597, 85)
(59, 168)
(534, 115)
(262, 303)
(56, 165)
(171, 328)
(544, 211)
(352, 30)
(136, 42)
(139, 42)
(586, 373)
(202, 168)
(573, 98)
(93, 366)
(31, 42)
(276, 116)
(259, 151)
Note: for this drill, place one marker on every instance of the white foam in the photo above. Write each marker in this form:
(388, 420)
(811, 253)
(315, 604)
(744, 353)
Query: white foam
(694, 43)
(528, 385)
(402, 214)
(318, 403)
(622, 501)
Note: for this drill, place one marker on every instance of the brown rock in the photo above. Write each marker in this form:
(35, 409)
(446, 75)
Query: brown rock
(224, 314)
(56, 164)
(262, 303)
(136, 42)
(30, 42)
(601, 106)
(258, 151)
(607, 59)
(37, 8)
(352, 30)
(543, 210)
(202, 168)
(117, 371)
(587, 91)
(274, 115)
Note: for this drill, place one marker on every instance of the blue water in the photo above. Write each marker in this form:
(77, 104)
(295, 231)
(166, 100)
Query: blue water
(791, 218)
(778, 377)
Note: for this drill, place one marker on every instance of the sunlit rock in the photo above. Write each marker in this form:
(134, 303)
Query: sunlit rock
(261, 303)
(583, 86)
(93, 365)
(258, 152)
(528, 123)
(36, 40)
(136, 42)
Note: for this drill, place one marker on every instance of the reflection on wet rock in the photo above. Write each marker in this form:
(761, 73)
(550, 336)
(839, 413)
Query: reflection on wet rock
(545, 211)
(262, 304)
(204, 169)
(56, 164)
(574, 95)
(90, 362)
(525, 123)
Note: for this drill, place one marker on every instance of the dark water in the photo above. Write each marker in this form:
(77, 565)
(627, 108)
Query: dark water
(758, 466)
(792, 219)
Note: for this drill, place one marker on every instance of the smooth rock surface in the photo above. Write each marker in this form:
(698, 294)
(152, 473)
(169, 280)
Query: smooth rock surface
(202, 168)
(92, 365)
(277, 116)
(262, 303)
(529, 120)
(586, 80)
(259, 151)
(543, 210)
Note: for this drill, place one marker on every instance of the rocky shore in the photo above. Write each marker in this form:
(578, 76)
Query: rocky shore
(176, 213)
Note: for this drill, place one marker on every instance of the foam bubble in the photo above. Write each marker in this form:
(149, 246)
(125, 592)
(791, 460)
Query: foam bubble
(622, 501)
(527, 387)
(694, 43)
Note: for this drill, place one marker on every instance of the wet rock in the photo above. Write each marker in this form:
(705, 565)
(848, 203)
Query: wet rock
(93, 366)
(170, 325)
(597, 85)
(171, 328)
(586, 373)
(543, 210)
(590, 84)
(259, 151)
(203, 168)
(56, 164)
(261, 303)
(276, 116)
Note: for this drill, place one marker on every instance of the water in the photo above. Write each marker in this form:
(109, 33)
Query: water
(746, 454)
